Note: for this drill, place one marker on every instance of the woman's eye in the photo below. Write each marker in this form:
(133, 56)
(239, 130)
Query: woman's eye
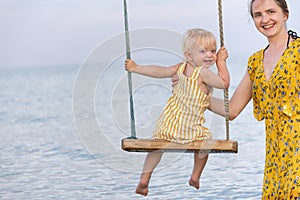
(271, 11)
(257, 15)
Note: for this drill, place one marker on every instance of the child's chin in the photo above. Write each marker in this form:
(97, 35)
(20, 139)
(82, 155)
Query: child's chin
(207, 66)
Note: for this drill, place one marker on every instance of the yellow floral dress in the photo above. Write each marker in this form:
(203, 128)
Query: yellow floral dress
(277, 101)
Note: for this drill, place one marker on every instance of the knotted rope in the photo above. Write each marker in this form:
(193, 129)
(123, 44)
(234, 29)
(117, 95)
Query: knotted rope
(226, 102)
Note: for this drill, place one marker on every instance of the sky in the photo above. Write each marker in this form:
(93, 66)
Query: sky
(64, 32)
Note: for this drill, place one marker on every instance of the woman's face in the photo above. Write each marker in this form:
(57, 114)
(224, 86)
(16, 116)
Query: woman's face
(268, 17)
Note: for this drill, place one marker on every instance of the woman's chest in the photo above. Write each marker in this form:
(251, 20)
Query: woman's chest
(270, 62)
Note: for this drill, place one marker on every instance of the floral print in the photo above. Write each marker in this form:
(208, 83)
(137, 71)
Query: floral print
(277, 101)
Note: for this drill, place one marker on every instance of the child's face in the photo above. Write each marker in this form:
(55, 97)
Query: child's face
(202, 55)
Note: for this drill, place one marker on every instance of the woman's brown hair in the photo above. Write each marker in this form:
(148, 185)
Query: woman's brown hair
(281, 3)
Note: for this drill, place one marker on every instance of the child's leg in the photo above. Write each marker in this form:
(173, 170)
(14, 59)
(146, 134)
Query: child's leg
(199, 164)
(151, 162)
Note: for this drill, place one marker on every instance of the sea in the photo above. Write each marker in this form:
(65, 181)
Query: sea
(61, 129)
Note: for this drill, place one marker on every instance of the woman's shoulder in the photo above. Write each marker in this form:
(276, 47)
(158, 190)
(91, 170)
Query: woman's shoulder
(254, 62)
(256, 55)
(293, 51)
(296, 44)
(255, 58)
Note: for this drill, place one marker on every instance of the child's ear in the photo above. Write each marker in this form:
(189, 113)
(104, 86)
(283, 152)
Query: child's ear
(187, 55)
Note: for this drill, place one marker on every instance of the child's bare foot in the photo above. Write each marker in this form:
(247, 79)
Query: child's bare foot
(194, 183)
(142, 189)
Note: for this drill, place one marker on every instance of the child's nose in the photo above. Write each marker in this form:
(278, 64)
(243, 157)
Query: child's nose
(209, 53)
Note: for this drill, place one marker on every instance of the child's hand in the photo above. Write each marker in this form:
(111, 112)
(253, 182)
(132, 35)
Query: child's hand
(222, 54)
(130, 65)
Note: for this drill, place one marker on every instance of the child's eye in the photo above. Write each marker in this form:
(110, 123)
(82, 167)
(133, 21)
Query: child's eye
(213, 51)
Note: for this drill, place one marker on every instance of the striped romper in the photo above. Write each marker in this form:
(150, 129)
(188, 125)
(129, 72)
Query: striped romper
(182, 118)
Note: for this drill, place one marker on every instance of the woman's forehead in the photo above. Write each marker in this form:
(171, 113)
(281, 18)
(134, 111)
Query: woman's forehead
(261, 5)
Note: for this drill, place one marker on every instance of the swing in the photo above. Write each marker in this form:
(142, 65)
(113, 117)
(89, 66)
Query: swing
(133, 144)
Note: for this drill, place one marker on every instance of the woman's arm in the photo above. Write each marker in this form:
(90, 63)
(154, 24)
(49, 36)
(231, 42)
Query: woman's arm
(240, 98)
(151, 70)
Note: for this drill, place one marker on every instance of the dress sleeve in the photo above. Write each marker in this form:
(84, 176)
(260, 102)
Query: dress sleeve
(252, 65)
(254, 61)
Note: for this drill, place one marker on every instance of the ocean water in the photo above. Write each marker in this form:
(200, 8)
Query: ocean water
(61, 129)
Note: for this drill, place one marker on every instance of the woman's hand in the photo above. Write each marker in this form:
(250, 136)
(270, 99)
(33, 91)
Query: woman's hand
(130, 65)
(174, 80)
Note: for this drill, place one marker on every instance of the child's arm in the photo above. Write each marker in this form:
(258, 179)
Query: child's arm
(222, 79)
(151, 70)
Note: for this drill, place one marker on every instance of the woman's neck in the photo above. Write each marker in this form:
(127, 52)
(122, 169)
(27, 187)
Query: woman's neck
(279, 41)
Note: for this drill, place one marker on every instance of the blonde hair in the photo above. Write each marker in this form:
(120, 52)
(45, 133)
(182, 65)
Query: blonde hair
(196, 36)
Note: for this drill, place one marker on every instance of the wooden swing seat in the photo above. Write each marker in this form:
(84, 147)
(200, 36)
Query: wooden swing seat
(133, 144)
(202, 146)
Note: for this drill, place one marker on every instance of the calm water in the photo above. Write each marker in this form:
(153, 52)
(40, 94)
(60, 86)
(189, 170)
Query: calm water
(60, 139)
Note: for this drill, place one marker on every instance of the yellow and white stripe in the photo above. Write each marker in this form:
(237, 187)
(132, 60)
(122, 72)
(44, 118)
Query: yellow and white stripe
(182, 118)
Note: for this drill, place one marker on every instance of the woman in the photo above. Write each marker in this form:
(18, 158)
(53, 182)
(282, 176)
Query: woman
(272, 80)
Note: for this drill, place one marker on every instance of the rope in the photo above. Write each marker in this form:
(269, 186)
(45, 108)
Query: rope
(132, 121)
(226, 102)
